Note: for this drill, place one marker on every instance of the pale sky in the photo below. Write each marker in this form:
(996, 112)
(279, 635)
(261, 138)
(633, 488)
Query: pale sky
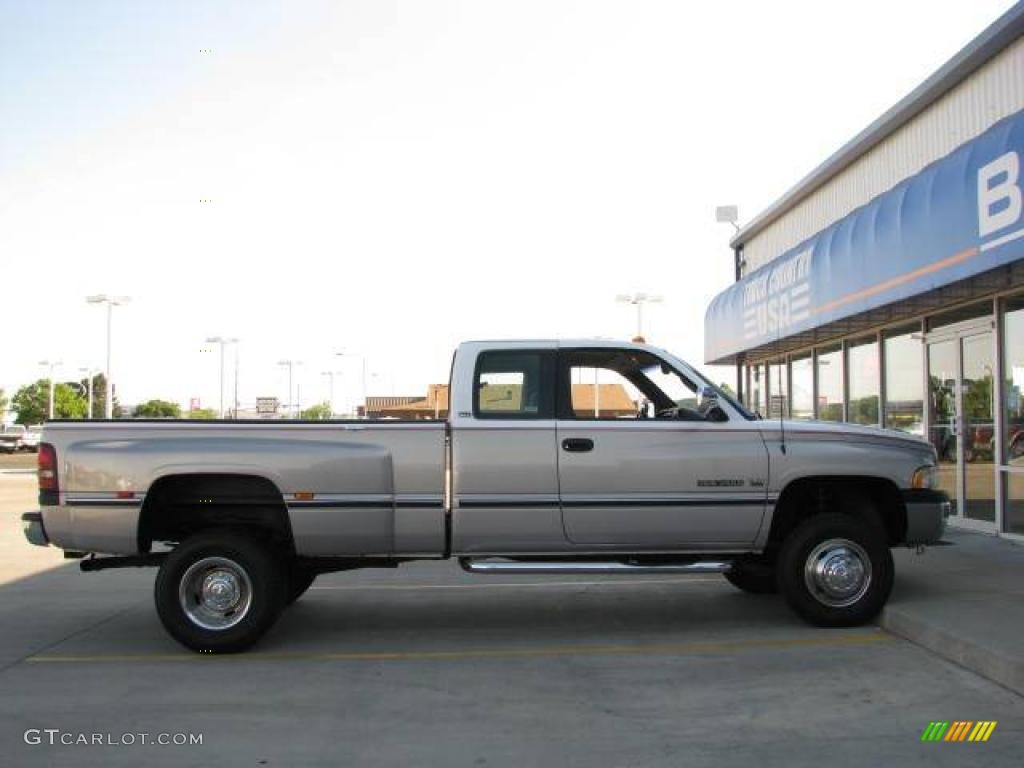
(390, 178)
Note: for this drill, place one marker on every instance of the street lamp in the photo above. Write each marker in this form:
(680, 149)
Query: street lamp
(730, 214)
(51, 364)
(291, 366)
(638, 300)
(222, 341)
(88, 374)
(111, 302)
(363, 359)
(330, 375)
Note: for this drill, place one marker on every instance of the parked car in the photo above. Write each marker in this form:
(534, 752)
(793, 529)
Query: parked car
(18, 437)
(12, 437)
(517, 480)
(31, 438)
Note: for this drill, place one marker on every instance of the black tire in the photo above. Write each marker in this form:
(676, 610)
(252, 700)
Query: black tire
(254, 567)
(299, 581)
(754, 576)
(843, 541)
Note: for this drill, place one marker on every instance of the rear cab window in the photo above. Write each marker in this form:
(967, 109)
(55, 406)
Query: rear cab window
(514, 384)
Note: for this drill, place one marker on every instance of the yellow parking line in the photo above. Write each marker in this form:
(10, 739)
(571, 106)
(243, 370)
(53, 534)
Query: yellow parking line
(681, 649)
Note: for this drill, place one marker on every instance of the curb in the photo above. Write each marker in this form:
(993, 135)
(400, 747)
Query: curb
(1005, 670)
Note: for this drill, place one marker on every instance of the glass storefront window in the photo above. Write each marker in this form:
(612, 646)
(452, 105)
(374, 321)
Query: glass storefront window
(757, 389)
(802, 371)
(778, 391)
(864, 381)
(1013, 379)
(904, 381)
(830, 383)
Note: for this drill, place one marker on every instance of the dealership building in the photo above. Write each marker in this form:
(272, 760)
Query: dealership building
(887, 287)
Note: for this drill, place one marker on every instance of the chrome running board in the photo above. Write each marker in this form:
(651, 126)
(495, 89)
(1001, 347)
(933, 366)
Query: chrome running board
(582, 566)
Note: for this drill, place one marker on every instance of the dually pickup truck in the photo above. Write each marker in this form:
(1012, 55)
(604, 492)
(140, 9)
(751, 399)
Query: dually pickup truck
(531, 473)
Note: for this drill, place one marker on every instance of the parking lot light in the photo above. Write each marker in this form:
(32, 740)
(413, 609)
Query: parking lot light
(111, 302)
(51, 364)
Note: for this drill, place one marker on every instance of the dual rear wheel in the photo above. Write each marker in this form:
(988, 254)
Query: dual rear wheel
(220, 591)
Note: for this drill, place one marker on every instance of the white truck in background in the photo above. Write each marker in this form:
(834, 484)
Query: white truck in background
(18, 437)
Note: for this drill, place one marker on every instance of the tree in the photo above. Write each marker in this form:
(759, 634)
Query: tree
(32, 402)
(863, 410)
(727, 389)
(202, 414)
(157, 409)
(317, 412)
(99, 394)
(3, 403)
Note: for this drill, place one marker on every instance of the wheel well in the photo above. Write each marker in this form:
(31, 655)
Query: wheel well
(874, 499)
(180, 505)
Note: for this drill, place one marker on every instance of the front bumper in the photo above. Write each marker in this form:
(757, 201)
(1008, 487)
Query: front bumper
(34, 530)
(927, 511)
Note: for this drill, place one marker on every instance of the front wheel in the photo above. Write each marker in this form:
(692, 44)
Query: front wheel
(219, 592)
(836, 570)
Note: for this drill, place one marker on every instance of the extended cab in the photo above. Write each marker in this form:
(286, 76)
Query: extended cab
(583, 456)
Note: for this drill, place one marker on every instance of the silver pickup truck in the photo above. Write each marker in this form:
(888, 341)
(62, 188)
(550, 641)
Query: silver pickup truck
(581, 457)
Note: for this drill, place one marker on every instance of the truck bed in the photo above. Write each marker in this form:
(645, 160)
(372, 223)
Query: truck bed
(350, 487)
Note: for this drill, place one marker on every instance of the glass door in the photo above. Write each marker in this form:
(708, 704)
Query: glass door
(943, 424)
(961, 424)
(979, 427)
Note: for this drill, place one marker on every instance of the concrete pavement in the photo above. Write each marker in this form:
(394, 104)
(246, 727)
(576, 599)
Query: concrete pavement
(964, 602)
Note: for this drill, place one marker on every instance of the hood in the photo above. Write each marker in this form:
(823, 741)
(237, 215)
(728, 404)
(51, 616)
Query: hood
(843, 431)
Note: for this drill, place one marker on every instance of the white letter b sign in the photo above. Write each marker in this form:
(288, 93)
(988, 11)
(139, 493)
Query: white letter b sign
(999, 198)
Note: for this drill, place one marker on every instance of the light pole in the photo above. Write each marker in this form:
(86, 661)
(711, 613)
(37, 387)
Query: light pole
(638, 300)
(291, 366)
(88, 373)
(222, 341)
(111, 302)
(237, 355)
(51, 364)
(363, 359)
(330, 376)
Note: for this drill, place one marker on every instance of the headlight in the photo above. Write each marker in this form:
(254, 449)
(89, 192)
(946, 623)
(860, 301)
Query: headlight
(923, 477)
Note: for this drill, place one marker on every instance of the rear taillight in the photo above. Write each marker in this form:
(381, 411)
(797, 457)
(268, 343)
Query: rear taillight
(48, 468)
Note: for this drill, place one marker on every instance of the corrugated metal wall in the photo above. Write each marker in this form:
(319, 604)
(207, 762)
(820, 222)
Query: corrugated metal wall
(990, 94)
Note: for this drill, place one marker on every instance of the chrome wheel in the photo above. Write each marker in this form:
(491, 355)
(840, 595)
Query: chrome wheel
(215, 593)
(837, 572)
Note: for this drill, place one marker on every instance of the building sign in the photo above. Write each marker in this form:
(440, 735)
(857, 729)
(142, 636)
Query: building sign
(960, 216)
(267, 405)
(778, 299)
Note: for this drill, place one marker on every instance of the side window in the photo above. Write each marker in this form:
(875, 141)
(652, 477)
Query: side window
(610, 383)
(601, 393)
(514, 384)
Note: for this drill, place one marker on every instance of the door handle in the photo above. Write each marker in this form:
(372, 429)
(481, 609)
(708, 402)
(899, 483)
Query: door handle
(578, 444)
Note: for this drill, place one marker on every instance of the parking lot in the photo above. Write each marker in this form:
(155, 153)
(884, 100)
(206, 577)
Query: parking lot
(429, 666)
